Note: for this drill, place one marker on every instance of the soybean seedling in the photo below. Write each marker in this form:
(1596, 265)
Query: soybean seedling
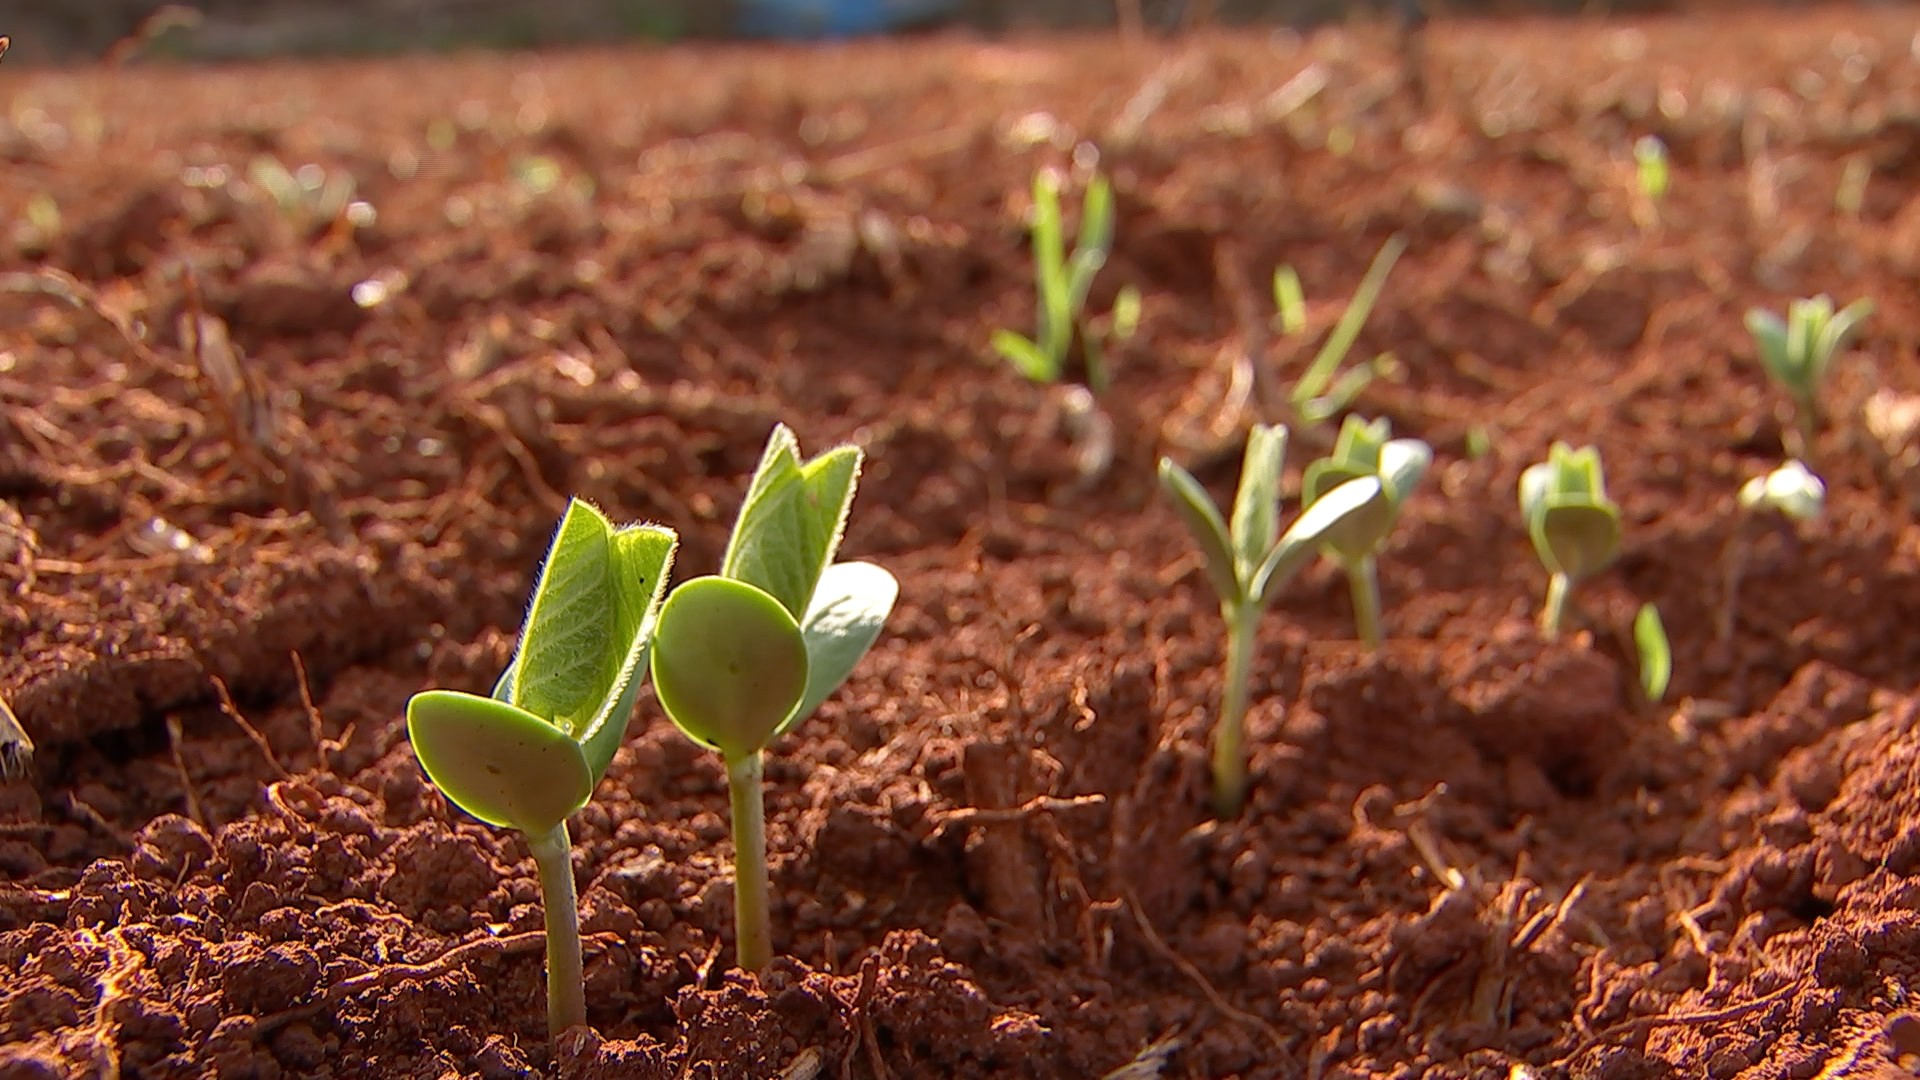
(1783, 497)
(746, 654)
(529, 756)
(1799, 350)
(1062, 280)
(1324, 391)
(1575, 528)
(1363, 448)
(1249, 560)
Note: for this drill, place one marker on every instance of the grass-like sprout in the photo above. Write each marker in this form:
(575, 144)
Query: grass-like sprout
(1248, 561)
(1575, 528)
(744, 655)
(530, 755)
(1062, 281)
(1323, 390)
(1656, 655)
(1787, 495)
(1798, 352)
(1655, 176)
(1364, 448)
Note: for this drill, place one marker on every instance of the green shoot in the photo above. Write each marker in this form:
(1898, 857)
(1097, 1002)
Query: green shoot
(1790, 493)
(528, 757)
(745, 655)
(1364, 449)
(1062, 281)
(1324, 391)
(1656, 656)
(1574, 526)
(1799, 350)
(1654, 174)
(1249, 561)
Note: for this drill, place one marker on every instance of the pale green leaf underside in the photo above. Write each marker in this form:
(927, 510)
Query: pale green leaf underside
(498, 762)
(1316, 525)
(1576, 538)
(642, 555)
(849, 607)
(567, 657)
(1256, 501)
(729, 664)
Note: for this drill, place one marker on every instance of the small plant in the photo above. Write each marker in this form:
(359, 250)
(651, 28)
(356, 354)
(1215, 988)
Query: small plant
(1654, 175)
(1574, 526)
(746, 654)
(1788, 495)
(1364, 449)
(1248, 562)
(1062, 280)
(1323, 390)
(1656, 655)
(1799, 350)
(528, 757)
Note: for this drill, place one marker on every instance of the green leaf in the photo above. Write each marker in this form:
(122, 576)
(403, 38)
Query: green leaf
(848, 610)
(729, 664)
(1576, 537)
(642, 555)
(1126, 313)
(1656, 655)
(1289, 300)
(1256, 503)
(1770, 341)
(1333, 352)
(498, 762)
(1051, 282)
(1204, 522)
(792, 521)
(1317, 524)
(566, 659)
(1026, 356)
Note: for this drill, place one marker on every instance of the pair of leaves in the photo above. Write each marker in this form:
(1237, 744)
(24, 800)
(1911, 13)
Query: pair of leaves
(1575, 528)
(1363, 449)
(745, 655)
(529, 756)
(1249, 559)
(1798, 350)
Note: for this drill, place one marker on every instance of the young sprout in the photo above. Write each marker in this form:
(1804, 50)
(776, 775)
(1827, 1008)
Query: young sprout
(1654, 175)
(1324, 391)
(1574, 526)
(529, 756)
(1364, 449)
(1249, 560)
(746, 654)
(1788, 494)
(1799, 350)
(1062, 280)
(1656, 656)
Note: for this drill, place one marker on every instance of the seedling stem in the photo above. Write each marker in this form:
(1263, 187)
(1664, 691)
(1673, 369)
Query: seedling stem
(1363, 582)
(566, 975)
(1229, 735)
(1553, 613)
(753, 927)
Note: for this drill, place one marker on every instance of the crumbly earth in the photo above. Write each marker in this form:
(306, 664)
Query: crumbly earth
(273, 473)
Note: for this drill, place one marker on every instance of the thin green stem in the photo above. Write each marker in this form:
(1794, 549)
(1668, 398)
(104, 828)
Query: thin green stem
(566, 979)
(752, 926)
(1363, 581)
(1229, 752)
(1558, 586)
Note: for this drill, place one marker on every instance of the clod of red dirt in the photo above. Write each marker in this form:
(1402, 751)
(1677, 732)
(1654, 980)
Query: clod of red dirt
(1474, 853)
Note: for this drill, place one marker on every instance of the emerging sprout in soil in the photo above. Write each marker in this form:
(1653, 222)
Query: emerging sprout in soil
(1364, 449)
(529, 756)
(745, 655)
(1788, 495)
(1799, 350)
(1324, 391)
(1656, 656)
(1574, 526)
(1062, 281)
(1249, 560)
(1654, 175)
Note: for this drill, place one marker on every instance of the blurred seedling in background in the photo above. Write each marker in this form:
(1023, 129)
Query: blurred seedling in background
(1653, 175)
(1364, 449)
(1575, 528)
(309, 201)
(1777, 502)
(1062, 281)
(1798, 353)
(1655, 653)
(745, 655)
(529, 756)
(1324, 390)
(1249, 560)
